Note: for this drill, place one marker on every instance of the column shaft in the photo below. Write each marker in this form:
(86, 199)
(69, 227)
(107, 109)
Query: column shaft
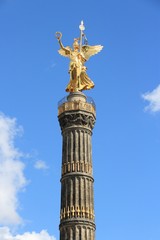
(77, 200)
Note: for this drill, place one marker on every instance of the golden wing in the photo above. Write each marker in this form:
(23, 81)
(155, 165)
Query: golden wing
(89, 51)
(65, 51)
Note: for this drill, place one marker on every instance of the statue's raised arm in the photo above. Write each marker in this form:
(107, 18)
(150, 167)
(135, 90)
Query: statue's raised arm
(78, 55)
(64, 51)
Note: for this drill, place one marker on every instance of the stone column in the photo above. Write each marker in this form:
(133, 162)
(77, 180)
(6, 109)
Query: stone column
(77, 117)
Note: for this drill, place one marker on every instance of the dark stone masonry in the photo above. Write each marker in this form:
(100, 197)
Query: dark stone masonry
(77, 118)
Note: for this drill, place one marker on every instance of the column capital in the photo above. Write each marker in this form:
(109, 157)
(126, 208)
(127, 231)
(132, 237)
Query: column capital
(76, 118)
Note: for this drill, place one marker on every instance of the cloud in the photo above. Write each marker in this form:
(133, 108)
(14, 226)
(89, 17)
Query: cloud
(53, 65)
(12, 179)
(41, 165)
(50, 67)
(5, 234)
(154, 100)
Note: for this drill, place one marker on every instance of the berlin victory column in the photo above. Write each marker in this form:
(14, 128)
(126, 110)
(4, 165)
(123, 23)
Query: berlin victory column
(76, 114)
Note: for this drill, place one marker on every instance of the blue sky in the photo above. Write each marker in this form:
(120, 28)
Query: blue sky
(126, 139)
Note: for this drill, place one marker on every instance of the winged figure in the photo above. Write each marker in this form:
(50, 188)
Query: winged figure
(78, 55)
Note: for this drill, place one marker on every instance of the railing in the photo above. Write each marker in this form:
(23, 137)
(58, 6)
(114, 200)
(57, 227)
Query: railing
(88, 100)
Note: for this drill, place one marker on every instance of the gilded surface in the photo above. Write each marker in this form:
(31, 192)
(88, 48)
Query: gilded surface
(71, 106)
(70, 212)
(78, 55)
(77, 167)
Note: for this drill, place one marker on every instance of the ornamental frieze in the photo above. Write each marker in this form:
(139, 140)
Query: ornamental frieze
(76, 119)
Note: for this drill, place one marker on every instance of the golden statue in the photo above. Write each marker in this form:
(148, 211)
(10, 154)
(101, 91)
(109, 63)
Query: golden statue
(79, 79)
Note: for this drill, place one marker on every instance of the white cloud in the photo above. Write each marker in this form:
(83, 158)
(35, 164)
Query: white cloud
(12, 179)
(40, 165)
(154, 100)
(5, 234)
(53, 65)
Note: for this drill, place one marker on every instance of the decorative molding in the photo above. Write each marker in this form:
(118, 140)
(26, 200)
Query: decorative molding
(76, 105)
(74, 212)
(77, 119)
(76, 167)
